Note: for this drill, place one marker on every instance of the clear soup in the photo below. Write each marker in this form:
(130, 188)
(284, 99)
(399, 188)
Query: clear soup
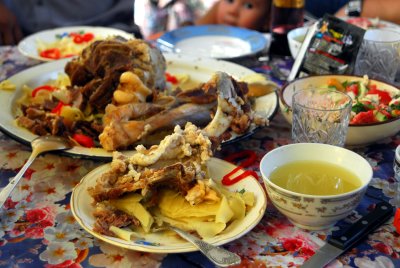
(315, 178)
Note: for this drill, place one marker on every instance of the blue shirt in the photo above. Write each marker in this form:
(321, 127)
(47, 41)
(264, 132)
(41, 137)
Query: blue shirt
(319, 7)
(37, 15)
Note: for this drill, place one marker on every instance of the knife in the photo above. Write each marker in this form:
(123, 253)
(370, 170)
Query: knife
(338, 244)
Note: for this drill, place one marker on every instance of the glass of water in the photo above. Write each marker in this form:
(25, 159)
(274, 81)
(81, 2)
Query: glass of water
(320, 116)
(379, 55)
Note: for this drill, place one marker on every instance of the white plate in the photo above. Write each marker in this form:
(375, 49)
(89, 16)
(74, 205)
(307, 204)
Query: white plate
(159, 242)
(28, 45)
(198, 69)
(213, 41)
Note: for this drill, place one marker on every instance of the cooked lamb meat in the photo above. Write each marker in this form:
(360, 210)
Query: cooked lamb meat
(123, 132)
(35, 113)
(98, 69)
(107, 218)
(203, 94)
(233, 112)
(178, 162)
(175, 161)
(177, 176)
(42, 123)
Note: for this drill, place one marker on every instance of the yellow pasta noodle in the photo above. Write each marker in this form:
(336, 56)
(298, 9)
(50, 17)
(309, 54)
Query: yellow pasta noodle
(207, 219)
(71, 113)
(7, 85)
(124, 234)
(130, 204)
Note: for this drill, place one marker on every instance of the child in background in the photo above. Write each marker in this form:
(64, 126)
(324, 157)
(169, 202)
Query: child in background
(251, 14)
(157, 16)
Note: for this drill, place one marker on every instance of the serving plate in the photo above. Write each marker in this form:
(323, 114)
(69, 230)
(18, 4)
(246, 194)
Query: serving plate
(215, 41)
(28, 45)
(198, 69)
(159, 242)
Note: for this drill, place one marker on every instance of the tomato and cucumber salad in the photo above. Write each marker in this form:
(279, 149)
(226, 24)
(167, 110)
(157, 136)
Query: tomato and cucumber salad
(370, 103)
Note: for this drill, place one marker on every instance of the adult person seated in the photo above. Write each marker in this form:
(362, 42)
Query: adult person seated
(155, 17)
(318, 8)
(23, 17)
(383, 9)
(388, 10)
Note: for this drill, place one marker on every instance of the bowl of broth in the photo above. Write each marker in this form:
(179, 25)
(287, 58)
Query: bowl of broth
(295, 39)
(314, 184)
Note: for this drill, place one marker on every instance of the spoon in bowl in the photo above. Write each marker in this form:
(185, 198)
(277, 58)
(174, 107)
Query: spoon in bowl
(39, 145)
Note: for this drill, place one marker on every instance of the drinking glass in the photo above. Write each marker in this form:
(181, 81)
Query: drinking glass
(379, 56)
(396, 164)
(285, 16)
(320, 116)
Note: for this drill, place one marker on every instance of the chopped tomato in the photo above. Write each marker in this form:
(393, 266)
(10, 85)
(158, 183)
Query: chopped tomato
(372, 87)
(82, 38)
(58, 108)
(353, 88)
(83, 140)
(363, 118)
(51, 53)
(44, 87)
(384, 96)
(78, 39)
(171, 78)
(87, 37)
(386, 113)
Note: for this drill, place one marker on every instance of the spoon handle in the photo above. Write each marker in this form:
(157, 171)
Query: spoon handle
(6, 191)
(217, 255)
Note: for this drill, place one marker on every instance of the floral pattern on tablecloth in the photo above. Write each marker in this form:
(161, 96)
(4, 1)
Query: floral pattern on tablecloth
(38, 229)
(11, 62)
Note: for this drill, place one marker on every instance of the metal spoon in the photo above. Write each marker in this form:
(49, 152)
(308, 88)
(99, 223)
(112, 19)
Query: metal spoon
(219, 256)
(39, 145)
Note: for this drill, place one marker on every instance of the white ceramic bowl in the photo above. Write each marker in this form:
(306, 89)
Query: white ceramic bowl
(295, 39)
(357, 135)
(311, 211)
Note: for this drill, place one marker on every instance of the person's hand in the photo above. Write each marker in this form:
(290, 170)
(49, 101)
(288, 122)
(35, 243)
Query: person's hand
(341, 12)
(10, 32)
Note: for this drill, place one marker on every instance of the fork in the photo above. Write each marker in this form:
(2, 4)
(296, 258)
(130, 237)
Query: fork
(218, 255)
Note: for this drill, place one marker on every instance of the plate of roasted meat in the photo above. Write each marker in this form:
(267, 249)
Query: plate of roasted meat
(119, 94)
(131, 201)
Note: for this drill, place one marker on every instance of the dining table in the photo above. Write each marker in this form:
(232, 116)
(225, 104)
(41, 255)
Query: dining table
(38, 228)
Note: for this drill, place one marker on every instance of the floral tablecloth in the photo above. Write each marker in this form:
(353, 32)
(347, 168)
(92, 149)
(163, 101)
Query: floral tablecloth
(38, 230)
